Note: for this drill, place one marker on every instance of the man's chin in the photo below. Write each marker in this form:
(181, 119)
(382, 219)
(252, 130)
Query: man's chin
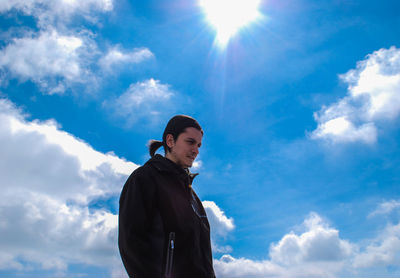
(185, 165)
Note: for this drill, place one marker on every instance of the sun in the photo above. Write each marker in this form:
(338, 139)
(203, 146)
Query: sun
(228, 16)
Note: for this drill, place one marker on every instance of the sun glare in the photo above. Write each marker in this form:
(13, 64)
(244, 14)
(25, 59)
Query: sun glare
(228, 16)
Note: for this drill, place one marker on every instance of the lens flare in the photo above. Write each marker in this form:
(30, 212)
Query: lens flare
(228, 16)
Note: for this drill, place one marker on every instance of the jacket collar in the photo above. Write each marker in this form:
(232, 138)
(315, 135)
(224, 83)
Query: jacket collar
(163, 164)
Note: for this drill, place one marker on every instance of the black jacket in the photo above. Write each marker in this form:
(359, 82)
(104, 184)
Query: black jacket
(163, 228)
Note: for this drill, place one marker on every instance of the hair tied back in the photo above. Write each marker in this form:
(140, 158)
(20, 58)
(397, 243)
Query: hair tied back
(154, 145)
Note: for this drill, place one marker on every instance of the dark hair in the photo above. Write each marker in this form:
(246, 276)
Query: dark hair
(176, 125)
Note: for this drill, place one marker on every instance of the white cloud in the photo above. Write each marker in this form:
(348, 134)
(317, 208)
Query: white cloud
(117, 56)
(382, 251)
(341, 129)
(219, 222)
(141, 100)
(373, 96)
(143, 92)
(88, 158)
(317, 252)
(119, 271)
(197, 164)
(41, 230)
(57, 62)
(48, 177)
(52, 60)
(53, 157)
(62, 54)
(220, 225)
(29, 7)
(48, 12)
(386, 208)
(230, 267)
(318, 243)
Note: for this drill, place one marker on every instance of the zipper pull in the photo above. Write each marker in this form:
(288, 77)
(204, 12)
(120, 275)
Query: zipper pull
(170, 255)
(171, 240)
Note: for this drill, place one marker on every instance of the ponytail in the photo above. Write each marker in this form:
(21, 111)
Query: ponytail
(154, 145)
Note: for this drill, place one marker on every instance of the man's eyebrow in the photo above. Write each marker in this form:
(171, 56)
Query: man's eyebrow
(192, 139)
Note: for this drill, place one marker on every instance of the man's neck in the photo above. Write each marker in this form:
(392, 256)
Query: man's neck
(170, 158)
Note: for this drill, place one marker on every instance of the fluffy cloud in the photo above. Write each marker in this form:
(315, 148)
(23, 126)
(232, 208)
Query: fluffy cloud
(59, 56)
(341, 129)
(30, 7)
(38, 229)
(318, 243)
(51, 60)
(317, 252)
(54, 161)
(141, 100)
(48, 178)
(384, 250)
(220, 225)
(373, 96)
(51, 11)
(117, 56)
(197, 164)
(219, 222)
(143, 92)
(58, 62)
(231, 267)
(381, 251)
(386, 208)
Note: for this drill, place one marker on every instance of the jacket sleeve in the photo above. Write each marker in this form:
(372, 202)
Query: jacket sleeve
(135, 212)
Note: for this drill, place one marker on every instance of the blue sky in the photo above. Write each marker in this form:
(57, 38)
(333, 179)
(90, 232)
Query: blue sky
(299, 168)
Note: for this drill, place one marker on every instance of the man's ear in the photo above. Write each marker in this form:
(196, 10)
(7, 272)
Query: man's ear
(170, 140)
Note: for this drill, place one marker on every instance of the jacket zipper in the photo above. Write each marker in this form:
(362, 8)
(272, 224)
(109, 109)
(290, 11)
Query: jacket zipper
(170, 255)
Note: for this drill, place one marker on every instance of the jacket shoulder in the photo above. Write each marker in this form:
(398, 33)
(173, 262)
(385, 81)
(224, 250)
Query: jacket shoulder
(143, 174)
(143, 170)
(141, 182)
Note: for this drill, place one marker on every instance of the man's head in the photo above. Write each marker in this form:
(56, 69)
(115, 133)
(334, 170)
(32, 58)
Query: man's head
(181, 140)
(184, 149)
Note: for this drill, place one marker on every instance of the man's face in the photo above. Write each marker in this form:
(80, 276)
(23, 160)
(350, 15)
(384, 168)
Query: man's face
(184, 150)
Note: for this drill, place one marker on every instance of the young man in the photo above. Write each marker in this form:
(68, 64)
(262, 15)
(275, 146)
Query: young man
(163, 228)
